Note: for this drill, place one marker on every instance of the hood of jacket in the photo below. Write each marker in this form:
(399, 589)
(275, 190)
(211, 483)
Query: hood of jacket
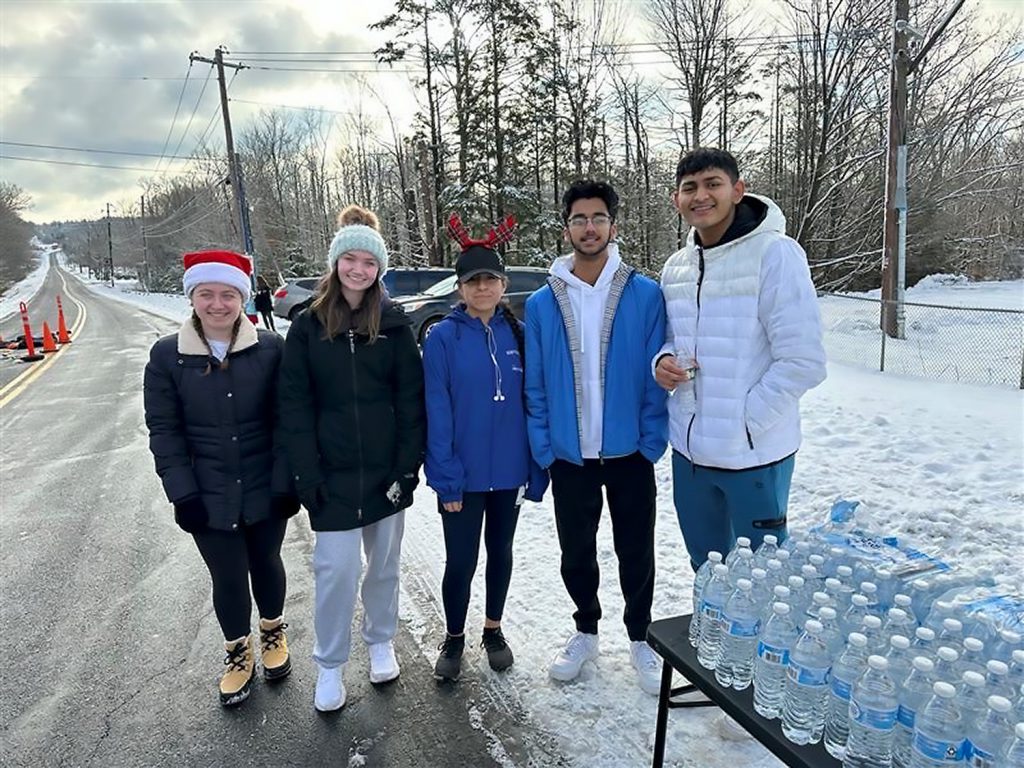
(754, 215)
(562, 269)
(189, 342)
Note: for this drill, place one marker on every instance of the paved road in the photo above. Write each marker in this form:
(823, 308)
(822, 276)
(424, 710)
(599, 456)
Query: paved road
(111, 648)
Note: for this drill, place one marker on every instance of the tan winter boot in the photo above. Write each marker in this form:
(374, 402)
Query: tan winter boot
(274, 649)
(241, 664)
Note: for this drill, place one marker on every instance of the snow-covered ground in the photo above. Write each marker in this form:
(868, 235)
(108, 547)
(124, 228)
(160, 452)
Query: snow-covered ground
(26, 289)
(941, 464)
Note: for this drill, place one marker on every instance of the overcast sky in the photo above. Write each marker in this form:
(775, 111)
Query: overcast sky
(65, 69)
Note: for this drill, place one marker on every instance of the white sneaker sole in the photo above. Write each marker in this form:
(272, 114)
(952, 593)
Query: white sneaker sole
(387, 677)
(329, 707)
(569, 675)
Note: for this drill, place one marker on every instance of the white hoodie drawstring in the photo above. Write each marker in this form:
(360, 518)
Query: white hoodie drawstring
(492, 348)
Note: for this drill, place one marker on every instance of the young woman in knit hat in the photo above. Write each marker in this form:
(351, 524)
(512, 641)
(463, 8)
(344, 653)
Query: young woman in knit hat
(478, 458)
(351, 393)
(210, 408)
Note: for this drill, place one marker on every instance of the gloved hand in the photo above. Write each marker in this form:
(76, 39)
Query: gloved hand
(190, 514)
(284, 507)
(400, 491)
(314, 498)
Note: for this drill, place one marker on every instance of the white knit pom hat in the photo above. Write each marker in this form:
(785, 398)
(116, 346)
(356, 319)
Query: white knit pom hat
(359, 237)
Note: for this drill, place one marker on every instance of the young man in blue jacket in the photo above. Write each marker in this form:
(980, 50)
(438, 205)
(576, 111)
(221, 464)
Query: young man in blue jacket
(597, 419)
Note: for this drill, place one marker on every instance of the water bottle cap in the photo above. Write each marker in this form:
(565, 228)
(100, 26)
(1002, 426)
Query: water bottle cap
(868, 587)
(808, 571)
(715, 557)
(803, 546)
(947, 654)
(795, 582)
(817, 560)
(813, 627)
(759, 573)
(897, 614)
(925, 633)
(953, 625)
(781, 590)
(742, 541)
(973, 644)
(902, 600)
(771, 539)
(923, 664)
(827, 612)
(857, 640)
(782, 609)
(1018, 656)
(872, 622)
(774, 564)
(973, 679)
(1018, 730)
(745, 554)
(944, 606)
(878, 663)
(833, 583)
(944, 690)
(782, 555)
(997, 667)
(1009, 636)
(721, 570)
(899, 641)
(859, 600)
(744, 584)
(845, 571)
(820, 598)
(999, 703)
(883, 573)
(836, 552)
(919, 584)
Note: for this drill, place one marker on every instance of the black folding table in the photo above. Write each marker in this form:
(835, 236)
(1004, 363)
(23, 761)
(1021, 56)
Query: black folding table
(668, 638)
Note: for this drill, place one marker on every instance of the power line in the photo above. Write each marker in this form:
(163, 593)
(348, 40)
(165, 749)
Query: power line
(89, 77)
(170, 130)
(325, 69)
(294, 106)
(83, 165)
(96, 151)
(195, 109)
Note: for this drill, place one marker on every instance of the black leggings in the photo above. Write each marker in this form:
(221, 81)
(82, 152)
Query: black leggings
(268, 319)
(234, 558)
(462, 545)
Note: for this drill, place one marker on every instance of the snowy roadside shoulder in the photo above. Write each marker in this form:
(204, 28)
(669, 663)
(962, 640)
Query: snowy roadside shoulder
(25, 289)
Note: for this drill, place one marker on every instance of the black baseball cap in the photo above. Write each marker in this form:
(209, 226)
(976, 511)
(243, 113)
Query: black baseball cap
(477, 260)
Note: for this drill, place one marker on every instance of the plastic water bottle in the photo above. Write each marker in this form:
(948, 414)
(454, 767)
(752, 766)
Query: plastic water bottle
(1017, 668)
(741, 567)
(798, 556)
(973, 697)
(845, 592)
(1007, 641)
(830, 631)
(921, 595)
(914, 693)
(972, 656)
(784, 556)
(988, 736)
(761, 590)
(814, 580)
(798, 600)
(769, 546)
(845, 671)
(873, 709)
(776, 573)
(818, 601)
(699, 580)
(778, 637)
(899, 657)
(952, 632)
(924, 641)
(740, 627)
(997, 678)
(803, 705)
(742, 544)
(886, 588)
(946, 666)
(872, 629)
(906, 604)
(941, 610)
(712, 603)
(938, 731)
(870, 590)
(1013, 757)
(853, 619)
(898, 623)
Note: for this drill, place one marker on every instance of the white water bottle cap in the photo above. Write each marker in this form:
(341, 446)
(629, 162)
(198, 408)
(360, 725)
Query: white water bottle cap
(813, 627)
(878, 663)
(925, 633)
(947, 654)
(771, 539)
(953, 625)
(715, 557)
(782, 609)
(999, 703)
(742, 541)
(721, 570)
(944, 690)
(872, 622)
(899, 641)
(857, 640)
(744, 584)
(973, 679)
(997, 667)
(973, 644)
(924, 664)
(902, 600)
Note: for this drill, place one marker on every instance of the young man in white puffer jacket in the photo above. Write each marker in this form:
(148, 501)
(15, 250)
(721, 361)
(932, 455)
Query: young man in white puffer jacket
(743, 312)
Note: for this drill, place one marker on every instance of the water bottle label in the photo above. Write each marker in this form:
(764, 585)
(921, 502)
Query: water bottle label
(934, 749)
(711, 611)
(978, 757)
(813, 677)
(905, 717)
(875, 719)
(744, 627)
(841, 688)
(773, 654)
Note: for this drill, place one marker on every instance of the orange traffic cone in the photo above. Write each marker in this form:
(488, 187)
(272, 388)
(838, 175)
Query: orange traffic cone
(30, 347)
(62, 330)
(48, 343)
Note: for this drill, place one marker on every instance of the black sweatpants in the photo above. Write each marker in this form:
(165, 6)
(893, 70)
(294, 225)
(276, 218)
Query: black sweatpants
(462, 547)
(629, 482)
(234, 558)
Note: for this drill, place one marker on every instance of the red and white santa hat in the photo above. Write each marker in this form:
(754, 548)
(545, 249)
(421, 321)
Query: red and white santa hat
(225, 267)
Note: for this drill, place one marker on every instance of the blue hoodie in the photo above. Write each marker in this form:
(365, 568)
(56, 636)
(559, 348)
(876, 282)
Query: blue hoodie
(476, 413)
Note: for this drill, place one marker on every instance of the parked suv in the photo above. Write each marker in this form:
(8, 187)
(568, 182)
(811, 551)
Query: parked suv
(430, 307)
(297, 293)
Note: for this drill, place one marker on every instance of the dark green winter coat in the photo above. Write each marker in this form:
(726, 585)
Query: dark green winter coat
(352, 416)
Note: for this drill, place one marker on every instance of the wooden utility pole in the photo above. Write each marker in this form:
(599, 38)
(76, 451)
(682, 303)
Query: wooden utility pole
(145, 245)
(110, 249)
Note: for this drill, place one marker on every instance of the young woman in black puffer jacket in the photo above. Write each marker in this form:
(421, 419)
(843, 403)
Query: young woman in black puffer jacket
(210, 397)
(351, 400)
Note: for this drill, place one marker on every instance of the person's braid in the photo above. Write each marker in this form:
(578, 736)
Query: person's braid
(234, 337)
(517, 331)
(198, 325)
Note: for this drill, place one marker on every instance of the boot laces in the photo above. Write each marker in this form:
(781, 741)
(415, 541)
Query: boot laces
(451, 646)
(494, 641)
(236, 659)
(272, 638)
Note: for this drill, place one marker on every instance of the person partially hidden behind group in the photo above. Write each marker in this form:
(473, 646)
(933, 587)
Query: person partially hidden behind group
(209, 393)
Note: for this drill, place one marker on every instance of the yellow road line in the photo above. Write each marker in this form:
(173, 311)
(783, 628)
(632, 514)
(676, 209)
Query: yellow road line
(19, 383)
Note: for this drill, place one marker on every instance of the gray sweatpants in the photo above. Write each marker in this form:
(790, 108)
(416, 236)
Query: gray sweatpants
(337, 565)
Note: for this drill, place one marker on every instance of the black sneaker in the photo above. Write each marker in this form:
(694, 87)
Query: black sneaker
(499, 655)
(449, 663)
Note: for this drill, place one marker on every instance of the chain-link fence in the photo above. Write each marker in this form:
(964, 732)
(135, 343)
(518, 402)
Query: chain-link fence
(948, 343)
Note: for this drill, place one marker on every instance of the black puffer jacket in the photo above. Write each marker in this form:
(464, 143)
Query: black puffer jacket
(352, 416)
(213, 434)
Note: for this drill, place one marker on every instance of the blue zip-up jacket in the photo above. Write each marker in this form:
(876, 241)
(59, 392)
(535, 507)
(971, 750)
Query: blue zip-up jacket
(634, 406)
(476, 413)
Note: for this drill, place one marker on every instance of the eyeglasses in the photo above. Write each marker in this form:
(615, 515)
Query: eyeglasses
(579, 221)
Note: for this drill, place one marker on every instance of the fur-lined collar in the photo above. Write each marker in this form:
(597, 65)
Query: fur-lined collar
(189, 342)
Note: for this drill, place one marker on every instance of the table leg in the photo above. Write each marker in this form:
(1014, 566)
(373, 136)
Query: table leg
(662, 724)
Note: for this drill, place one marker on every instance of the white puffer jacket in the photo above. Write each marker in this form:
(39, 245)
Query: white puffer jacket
(747, 312)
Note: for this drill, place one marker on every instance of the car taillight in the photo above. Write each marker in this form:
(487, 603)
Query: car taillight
(281, 293)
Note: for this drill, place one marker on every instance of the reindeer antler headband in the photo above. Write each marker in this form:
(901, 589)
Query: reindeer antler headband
(502, 233)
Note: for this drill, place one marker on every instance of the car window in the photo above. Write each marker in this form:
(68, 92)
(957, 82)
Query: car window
(520, 282)
(308, 283)
(429, 277)
(403, 283)
(442, 288)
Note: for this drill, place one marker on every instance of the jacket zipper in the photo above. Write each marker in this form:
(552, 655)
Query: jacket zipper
(359, 432)
(492, 343)
(696, 335)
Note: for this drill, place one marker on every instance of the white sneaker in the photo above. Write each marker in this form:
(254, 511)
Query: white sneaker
(330, 690)
(730, 730)
(648, 666)
(383, 664)
(582, 647)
